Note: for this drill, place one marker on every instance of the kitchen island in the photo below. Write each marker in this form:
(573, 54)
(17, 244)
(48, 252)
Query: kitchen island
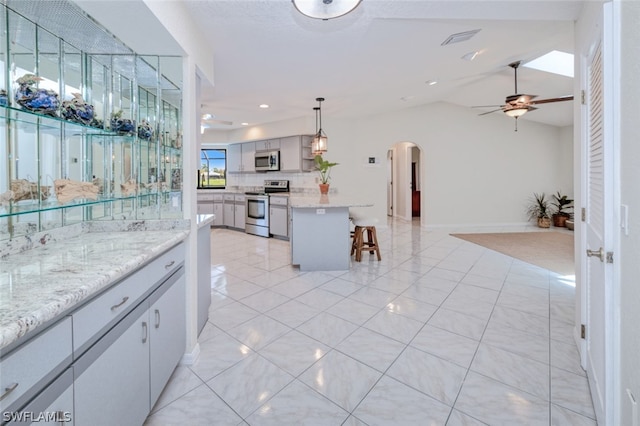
(319, 234)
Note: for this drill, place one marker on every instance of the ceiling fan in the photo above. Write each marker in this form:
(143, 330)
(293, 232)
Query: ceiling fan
(517, 105)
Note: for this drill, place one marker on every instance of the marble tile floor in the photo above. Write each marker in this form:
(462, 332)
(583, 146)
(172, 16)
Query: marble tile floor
(440, 332)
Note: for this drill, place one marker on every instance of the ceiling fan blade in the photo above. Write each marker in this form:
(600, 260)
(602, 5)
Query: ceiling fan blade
(489, 112)
(550, 100)
(487, 106)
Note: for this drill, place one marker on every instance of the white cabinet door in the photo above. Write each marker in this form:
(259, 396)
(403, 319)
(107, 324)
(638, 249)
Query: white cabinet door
(239, 215)
(111, 385)
(234, 158)
(268, 144)
(278, 221)
(229, 213)
(54, 405)
(290, 153)
(248, 157)
(205, 208)
(218, 210)
(167, 325)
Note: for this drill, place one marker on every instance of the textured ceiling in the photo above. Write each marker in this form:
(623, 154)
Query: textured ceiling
(379, 57)
(376, 59)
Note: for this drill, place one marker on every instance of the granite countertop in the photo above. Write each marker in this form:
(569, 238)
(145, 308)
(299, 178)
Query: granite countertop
(39, 284)
(325, 201)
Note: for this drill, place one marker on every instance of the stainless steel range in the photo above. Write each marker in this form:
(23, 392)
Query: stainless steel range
(257, 216)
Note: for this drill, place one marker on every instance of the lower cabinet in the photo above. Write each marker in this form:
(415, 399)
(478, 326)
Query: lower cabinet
(119, 379)
(279, 217)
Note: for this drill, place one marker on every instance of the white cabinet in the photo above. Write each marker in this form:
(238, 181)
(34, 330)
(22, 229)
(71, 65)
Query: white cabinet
(241, 157)
(218, 210)
(234, 158)
(167, 323)
(111, 383)
(53, 406)
(205, 202)
(295, 154)
(42, 357)
(234, 210)
(268, 145)
(204, 276)
(118, 380)
(248, 157)
(279, 216)
(240, 211)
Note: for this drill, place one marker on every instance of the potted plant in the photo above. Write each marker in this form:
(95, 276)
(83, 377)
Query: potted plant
(562, 204)
(324, 167)
(539, 209)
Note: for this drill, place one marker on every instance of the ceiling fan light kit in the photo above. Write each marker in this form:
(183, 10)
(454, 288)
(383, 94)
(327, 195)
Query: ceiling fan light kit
(519, 104)
(325, 9)
(319, 141)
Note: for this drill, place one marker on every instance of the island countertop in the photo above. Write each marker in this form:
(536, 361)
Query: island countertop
(325, 201)
(38, 285)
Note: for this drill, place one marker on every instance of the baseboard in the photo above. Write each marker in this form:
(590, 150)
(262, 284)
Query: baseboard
(189, 358)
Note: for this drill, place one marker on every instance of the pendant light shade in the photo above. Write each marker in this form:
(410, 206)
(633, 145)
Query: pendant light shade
(319, 141)
(325, 9)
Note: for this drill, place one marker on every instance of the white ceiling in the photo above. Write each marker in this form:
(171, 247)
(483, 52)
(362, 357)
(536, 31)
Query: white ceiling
(379, 57)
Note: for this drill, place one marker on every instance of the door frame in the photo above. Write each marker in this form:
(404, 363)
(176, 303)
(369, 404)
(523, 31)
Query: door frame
(610, 39)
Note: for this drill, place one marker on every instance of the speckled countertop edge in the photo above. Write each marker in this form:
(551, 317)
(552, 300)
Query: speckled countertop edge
(45, 282)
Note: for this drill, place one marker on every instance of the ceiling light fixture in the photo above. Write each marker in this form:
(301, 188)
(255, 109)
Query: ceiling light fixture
(325, 9)
(431, 82)
(264, 106)
(244, 124)
(516, 112)
(319, 141)
(470, 56)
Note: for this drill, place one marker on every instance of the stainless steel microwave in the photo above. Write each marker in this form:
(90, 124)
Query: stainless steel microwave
(267, 161)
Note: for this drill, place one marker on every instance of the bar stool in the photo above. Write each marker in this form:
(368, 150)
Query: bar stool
(364, 225)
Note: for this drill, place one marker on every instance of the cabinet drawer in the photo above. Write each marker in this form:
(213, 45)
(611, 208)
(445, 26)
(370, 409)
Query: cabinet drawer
(229, 197)
(239, 198)
(29, 368)
(205, 197)
(279, 201)
(96, 317)
(217, 197)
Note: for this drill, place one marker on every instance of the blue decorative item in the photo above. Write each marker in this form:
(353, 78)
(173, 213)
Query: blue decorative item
(77, 110)
(4, 100)
(31, 98)
(122, 125)
(145, 131)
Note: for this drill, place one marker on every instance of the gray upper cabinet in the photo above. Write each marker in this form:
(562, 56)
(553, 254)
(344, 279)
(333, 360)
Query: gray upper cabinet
(267, 145)
(295, 154)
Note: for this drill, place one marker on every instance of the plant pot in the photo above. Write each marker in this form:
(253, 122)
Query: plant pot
(324, 188)
(544, 222)
(559, 220)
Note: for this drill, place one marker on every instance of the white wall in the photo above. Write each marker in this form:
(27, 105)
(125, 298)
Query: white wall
(475, 170)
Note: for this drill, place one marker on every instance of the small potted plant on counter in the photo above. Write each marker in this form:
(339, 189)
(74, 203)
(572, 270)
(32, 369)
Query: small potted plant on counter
(539, 209)
(562, 205)
(324, 167)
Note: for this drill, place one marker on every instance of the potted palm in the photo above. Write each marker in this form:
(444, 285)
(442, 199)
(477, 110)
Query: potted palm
(539, 209)
(324, 167)
(562, 206)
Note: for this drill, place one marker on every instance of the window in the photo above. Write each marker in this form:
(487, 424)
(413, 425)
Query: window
(213, 168)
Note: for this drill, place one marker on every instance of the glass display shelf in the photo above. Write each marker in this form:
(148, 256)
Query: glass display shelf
(34, 206)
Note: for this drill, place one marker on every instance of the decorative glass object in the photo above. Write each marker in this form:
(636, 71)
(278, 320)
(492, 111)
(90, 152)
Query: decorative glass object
(77, 110)
(31, 98)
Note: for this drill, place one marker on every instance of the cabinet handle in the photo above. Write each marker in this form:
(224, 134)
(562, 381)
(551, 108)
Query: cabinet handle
(145, 335)
(8, 390)
(169, 265)
(157, 311)
(124, 300)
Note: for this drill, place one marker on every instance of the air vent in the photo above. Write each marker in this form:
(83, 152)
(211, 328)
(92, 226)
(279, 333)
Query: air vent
(458, 37)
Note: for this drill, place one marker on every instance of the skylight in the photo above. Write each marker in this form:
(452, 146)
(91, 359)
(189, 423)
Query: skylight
(555, 62)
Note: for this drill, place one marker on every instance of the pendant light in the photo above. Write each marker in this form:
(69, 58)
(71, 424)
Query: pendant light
(325, 9)
(319, 141)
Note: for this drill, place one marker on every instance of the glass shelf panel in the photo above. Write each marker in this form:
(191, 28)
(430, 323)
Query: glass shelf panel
(34, 206)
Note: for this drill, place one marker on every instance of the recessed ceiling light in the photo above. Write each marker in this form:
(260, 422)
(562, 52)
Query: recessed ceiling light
(264, 106)
(555, 62)
(458, 37)
(470, 56)
(431, 82)
(407, 98)
(244, 124)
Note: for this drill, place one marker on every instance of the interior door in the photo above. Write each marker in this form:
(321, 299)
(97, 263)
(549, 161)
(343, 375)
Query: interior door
(599, 229)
